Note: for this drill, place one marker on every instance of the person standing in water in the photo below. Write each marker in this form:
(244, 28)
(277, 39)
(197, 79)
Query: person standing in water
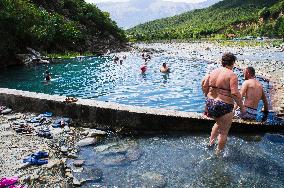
(252, 90)
(143, 67)
(164, 68)
(221, 90)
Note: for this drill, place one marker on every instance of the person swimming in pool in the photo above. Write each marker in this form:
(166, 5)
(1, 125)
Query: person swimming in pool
(47, 76)
(164, 68)
(252, 91)
(221, 90)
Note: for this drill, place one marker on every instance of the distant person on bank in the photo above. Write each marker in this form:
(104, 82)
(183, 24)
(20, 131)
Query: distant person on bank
(221, 89)
(252, 91)
(164, 68)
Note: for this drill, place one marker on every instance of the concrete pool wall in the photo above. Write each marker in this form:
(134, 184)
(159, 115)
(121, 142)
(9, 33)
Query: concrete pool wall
(118, 116)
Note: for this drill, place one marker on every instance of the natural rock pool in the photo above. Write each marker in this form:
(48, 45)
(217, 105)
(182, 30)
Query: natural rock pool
(183, 161)
(102, 79)
(158, 161)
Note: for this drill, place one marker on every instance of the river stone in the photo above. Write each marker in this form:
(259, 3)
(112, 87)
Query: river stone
(95, 132)
(90, 175)
(64, 149)
(78, 163)
(69, 175)
(72, 155)
(153, 179)
(86, 142)
(119, 149)
(76, 182)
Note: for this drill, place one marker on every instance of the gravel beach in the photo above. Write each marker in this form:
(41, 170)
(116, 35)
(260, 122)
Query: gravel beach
(61, 147)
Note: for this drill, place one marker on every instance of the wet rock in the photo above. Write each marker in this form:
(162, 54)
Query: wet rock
(91, 174)
(153, 179)
(64, 149)
(69, 175)
(66, 128)
(72, 155)
(78, 163)
(86, 142)
(85, 133)
(95, 132)
(78, 170)
(76, 182)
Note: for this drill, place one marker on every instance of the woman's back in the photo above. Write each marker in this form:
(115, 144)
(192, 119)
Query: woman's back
(221, 83)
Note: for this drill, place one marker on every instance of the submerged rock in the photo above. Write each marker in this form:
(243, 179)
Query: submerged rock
(153, 179)
(78, 163)
(133, 154)
(86, 142)
(95, 132)
(117, 160)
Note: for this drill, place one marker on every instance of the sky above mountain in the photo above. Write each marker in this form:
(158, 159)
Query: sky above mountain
(129, 13)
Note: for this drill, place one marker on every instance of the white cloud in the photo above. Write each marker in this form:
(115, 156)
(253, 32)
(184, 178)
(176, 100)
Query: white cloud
(100, 1)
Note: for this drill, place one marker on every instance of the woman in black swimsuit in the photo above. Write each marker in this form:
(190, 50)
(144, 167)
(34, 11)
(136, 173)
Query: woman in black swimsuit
(221, 90)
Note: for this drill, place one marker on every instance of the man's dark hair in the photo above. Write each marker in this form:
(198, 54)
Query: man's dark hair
(228, 59)
(251, 71)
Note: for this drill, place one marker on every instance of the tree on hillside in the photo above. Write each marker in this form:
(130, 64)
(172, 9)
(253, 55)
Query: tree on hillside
(279, 26)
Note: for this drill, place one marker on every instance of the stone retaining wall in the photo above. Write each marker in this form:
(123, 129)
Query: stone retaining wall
(118, 116)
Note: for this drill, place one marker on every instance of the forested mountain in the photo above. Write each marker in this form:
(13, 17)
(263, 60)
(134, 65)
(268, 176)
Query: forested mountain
(239, 17)
(55, 26)
(134, 12)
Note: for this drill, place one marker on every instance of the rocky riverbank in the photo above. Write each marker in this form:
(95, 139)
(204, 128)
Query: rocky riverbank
(267, 60)
(63, 144)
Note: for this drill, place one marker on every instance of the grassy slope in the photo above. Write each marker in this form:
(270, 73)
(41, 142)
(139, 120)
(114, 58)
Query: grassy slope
(215, 19)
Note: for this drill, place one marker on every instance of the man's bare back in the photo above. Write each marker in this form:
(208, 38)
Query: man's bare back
(253, 92)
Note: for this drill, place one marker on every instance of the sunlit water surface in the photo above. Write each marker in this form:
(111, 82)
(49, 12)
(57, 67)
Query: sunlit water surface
(99, 78)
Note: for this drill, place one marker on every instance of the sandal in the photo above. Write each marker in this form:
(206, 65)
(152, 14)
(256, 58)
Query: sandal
(45, 133)
(61, 122)
(40, 154)
(25, 129)
(34, 161)
(4, 182)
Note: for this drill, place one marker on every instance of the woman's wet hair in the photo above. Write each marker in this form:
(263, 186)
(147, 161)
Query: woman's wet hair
(228, 59)
(251, 71)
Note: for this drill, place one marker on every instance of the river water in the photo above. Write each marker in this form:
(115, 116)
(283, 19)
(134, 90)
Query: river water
(163, 160)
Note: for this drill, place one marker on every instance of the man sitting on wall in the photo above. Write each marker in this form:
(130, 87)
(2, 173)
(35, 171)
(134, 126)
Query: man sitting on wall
(252, 90)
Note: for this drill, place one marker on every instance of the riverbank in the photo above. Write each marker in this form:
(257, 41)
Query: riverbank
(62, 146)
(267, 60)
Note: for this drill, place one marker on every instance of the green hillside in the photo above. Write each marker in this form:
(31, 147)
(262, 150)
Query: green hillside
(240, 17)
(55, 26)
